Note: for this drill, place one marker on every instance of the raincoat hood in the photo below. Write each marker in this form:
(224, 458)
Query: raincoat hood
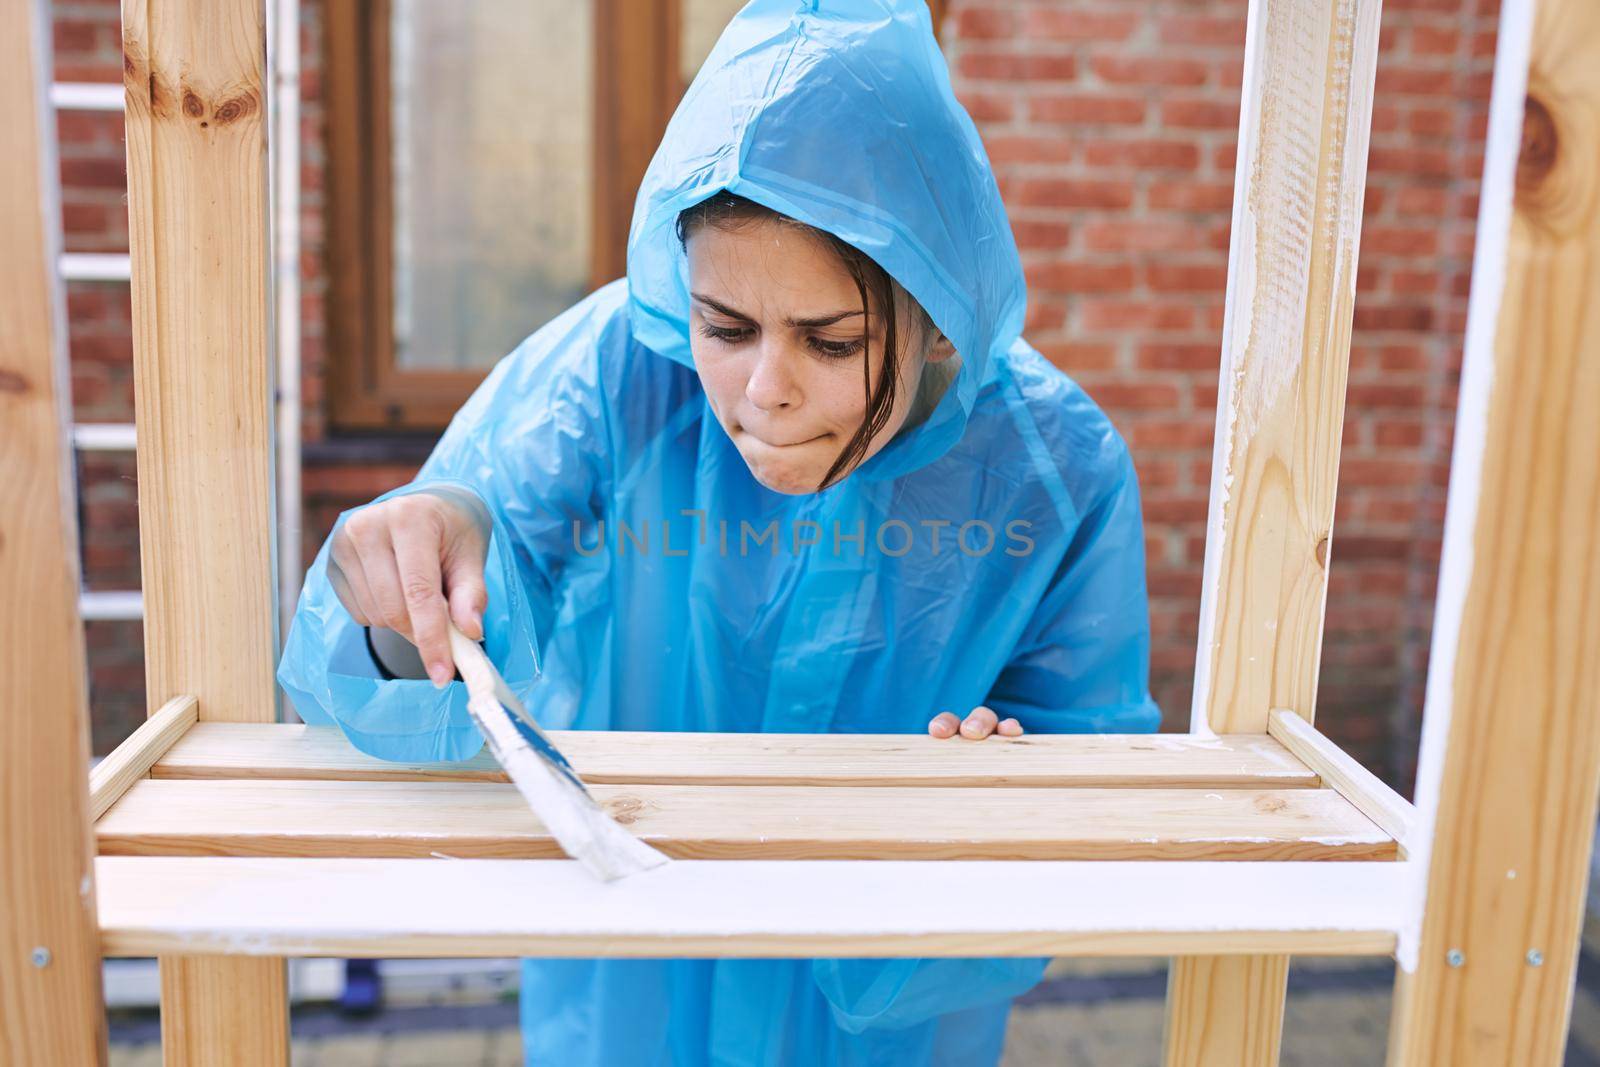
(840, 114)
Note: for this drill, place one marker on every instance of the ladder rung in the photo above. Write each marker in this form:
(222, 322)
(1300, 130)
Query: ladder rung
(94, 266)
(109, 606)
(87, 96)
(104, 437)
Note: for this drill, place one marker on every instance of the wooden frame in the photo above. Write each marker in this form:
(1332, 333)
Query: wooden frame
(1482, 913)
(755, 819)
(1306, 111)
(1506, 803)
(195, 88)
(50, 1001)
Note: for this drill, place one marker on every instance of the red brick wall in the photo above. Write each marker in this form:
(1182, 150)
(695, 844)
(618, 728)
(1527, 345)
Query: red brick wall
(1112, 125)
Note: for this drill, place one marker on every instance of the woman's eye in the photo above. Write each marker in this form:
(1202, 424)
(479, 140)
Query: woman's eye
(837, 349)
(727, 334)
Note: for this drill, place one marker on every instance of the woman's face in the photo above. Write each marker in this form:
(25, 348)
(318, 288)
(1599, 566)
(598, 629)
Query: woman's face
(776, 329)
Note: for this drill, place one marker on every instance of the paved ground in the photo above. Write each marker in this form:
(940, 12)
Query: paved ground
(1087, 1013)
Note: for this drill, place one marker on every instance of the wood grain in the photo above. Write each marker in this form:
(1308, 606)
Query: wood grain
(132, 760)
(1244, 991)
(197, 227)
(329, 818)
(198, 241)
(1286, 351)
(421, 938)
(48, 1014)
(370, 907)
(1392, 813)
(1516, 671)
(241, 750)
(249, 992)
(1307, 105)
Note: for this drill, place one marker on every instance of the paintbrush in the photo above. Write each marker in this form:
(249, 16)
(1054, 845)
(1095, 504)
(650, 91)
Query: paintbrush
(542, 774)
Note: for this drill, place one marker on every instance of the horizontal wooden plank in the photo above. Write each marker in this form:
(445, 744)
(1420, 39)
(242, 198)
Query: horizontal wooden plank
(241, 750)
(370, 907)
(486, 819)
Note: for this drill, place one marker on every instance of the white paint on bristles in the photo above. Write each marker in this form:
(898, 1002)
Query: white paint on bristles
(579, 825)
(1466, 461)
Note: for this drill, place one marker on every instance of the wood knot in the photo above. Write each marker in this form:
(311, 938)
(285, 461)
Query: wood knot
(1268, 805)
(1541, 145)
(193, 106)
(626, 809)
(12, 382)
(233, 110)
(1322, 552)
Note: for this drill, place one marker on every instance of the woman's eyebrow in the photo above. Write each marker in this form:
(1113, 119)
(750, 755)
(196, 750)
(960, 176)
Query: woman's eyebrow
(811, 322)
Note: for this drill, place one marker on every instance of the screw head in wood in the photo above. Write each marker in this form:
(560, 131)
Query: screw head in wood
(1535, 957)
(1455, 957)
(40, 957)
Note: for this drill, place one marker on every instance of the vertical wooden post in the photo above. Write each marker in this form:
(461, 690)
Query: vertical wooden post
(50, 1004)
(1301, 175)
(224, 1010)
(198, 234)
(1511, 757)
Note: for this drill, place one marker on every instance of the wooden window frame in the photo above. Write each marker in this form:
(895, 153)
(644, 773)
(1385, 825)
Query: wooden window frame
(637, 86)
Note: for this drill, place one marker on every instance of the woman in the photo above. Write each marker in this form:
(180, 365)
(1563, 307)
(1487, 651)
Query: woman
(798, 472)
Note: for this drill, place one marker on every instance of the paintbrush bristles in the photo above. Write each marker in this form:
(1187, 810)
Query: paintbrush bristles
(552, 790)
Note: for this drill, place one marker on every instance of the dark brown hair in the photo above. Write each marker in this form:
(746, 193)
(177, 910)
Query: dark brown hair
(729, 211)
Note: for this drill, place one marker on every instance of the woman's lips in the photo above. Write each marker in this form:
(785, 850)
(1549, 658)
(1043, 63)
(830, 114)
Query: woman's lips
(790, 444)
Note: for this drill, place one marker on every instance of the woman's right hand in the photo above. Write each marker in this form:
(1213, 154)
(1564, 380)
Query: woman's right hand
(414, 563)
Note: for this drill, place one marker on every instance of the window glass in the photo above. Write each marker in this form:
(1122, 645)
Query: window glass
(492, 135)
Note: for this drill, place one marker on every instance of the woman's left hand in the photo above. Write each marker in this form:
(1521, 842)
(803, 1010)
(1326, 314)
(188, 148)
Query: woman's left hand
(979, 723)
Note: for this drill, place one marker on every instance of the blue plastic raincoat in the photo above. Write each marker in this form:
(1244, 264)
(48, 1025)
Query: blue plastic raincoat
(992, 554)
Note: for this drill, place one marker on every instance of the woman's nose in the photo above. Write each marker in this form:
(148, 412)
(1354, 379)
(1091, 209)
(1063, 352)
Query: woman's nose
(772, 384)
